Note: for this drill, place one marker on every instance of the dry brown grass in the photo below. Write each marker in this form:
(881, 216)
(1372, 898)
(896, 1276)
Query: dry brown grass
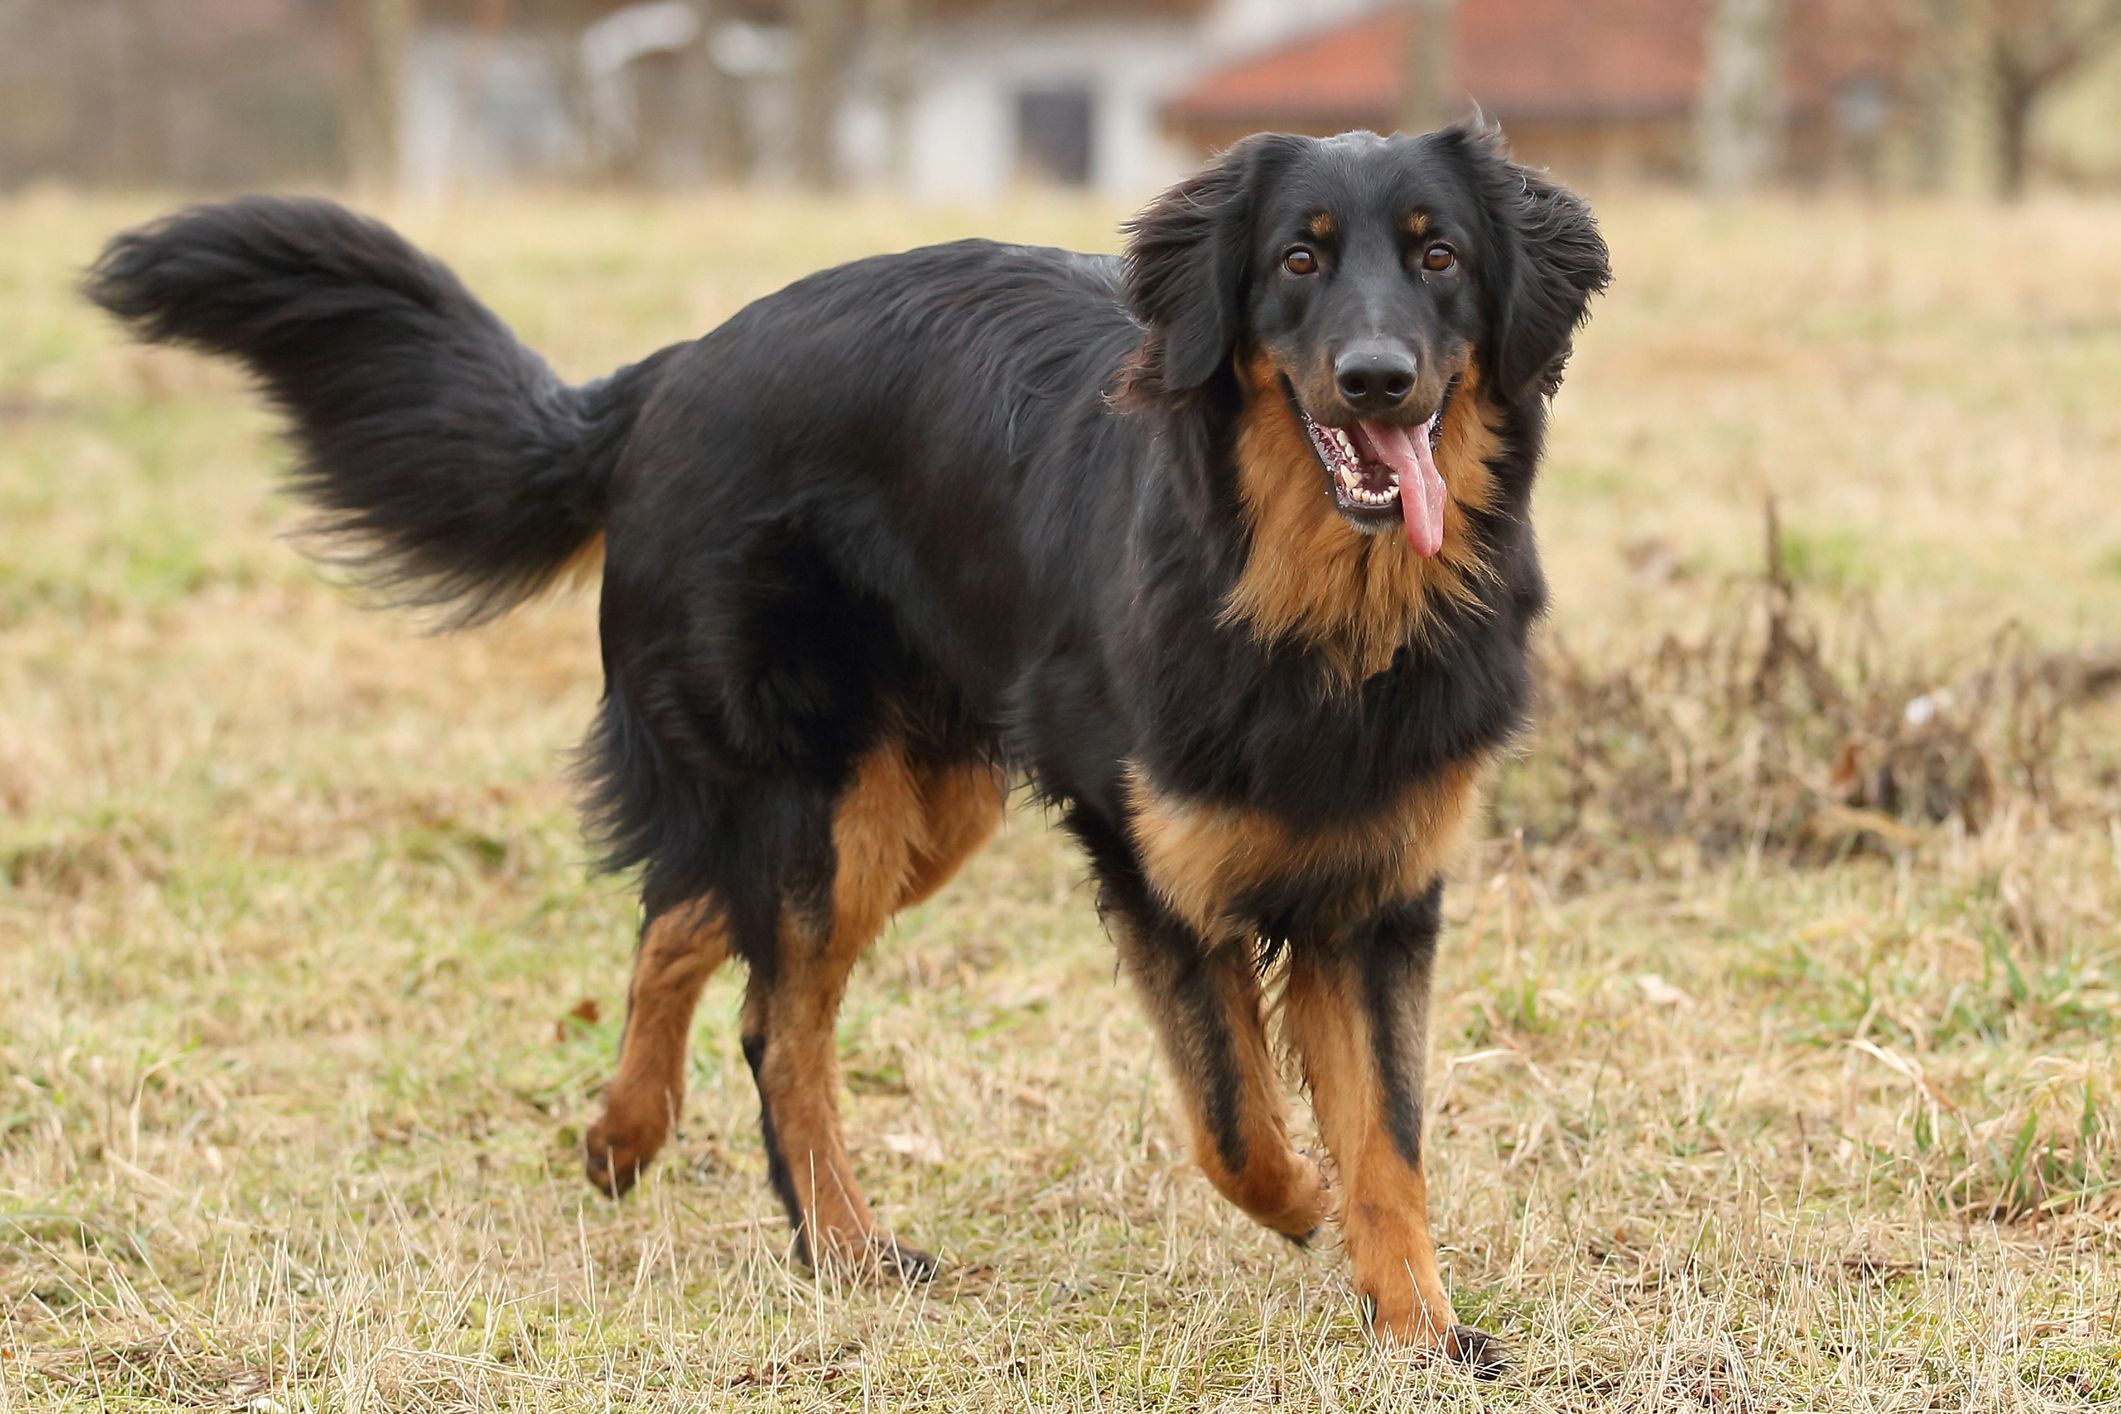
(1748, 1099)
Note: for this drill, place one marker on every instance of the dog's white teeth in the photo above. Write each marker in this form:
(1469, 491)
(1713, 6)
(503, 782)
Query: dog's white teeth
(1361, 495)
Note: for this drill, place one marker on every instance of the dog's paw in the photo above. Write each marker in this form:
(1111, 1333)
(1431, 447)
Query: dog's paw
(1484, 1356)
(1297, 1209)
(909, 1264)
(617, 1152)
(875, 1257)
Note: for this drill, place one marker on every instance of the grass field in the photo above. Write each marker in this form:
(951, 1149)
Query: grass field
(1757, 1086)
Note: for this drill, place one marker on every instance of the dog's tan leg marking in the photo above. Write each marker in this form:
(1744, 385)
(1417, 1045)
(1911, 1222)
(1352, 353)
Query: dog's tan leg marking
(1280, 1188)
(898, 833)
(678, 951)
(1384, 1212)
(1209, 1017)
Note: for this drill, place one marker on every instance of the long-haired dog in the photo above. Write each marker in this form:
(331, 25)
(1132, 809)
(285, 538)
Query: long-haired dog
(1224, 545)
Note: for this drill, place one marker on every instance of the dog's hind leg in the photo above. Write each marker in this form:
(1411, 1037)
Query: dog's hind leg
(1356, 1011)
(678, 951)
(892, 838)
(1209, 1015)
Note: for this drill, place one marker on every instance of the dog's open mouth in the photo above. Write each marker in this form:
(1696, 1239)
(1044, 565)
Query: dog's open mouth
(1378, 468)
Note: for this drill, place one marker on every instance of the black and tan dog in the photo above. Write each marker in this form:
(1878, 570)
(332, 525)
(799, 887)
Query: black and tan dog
(1223, 545)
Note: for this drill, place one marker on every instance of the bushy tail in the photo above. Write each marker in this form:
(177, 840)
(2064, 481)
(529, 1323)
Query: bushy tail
(450, 463)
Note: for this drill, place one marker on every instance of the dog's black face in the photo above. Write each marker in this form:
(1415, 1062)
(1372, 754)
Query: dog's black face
(1364, 276)
(1372, 276)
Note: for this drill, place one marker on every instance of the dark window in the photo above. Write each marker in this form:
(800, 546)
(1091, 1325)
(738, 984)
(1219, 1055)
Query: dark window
(1053, 132)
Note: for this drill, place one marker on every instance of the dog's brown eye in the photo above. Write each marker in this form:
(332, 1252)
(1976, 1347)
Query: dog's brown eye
(1298, 260)
(1438, 257)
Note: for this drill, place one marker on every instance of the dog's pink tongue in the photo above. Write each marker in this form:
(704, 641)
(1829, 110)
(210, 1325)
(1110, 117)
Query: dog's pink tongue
(1421, 493)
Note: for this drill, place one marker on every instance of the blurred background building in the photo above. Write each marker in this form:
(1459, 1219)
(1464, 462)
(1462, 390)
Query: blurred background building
(968, 99)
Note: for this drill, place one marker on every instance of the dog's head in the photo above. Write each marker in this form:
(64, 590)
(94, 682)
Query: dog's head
(1370, 276)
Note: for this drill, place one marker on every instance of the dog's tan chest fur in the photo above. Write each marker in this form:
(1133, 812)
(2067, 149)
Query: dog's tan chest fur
(1204, 860)
(1308, 577)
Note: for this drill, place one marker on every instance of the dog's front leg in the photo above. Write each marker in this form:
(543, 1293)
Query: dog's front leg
(1206, 1003)
(1356, 1012)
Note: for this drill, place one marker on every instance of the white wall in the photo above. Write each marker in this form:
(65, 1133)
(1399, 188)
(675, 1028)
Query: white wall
(1234, 26)
(961, 127)
(961, 124)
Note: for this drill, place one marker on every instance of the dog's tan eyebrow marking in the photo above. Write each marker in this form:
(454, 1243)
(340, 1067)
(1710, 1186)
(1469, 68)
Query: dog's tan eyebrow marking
(1321, 226)
(1417, 223)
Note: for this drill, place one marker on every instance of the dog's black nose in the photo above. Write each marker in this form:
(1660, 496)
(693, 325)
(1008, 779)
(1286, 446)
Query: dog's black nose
(1373, 379)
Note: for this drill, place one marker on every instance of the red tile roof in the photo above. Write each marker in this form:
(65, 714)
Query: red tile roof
(1569, 58)
(1550, 60)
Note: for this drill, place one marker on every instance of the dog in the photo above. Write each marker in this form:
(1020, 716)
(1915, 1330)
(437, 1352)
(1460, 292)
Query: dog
(1222, 545)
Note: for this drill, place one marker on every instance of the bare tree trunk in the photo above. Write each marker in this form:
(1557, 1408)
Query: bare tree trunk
(2033, 46)
(382, 36)
(724, 136)
(1431, 66)
(1935, 83)
(663, 151)
(825, 27)
(139, 124)
(1741, 119)
(2014, 134)
(891, 22)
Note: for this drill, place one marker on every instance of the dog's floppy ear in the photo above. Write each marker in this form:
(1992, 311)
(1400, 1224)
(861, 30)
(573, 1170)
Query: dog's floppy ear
(1549, 260)
(1185, 269)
